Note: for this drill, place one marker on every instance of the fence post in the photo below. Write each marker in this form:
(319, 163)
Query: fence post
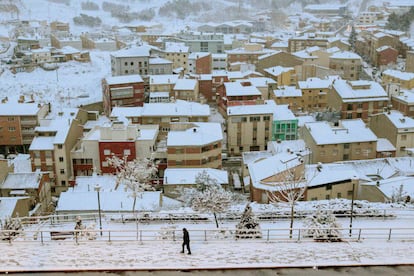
(205, 235)
(173, 235)
(299, 234)
(385, 213)
(76, 236)
(268, 234)
(389, 235)
(359, 234)
(109, 236)
(140, 236)
(41, 237)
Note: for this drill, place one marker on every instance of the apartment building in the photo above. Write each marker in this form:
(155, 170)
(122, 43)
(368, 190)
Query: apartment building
(177, 52)
(186, 89)
(300, 43)
(131, 61)
(263, 84)
(163, 114)
(397, 128)
(194, 145)
(219, 61)
(282, 75)
(17, 124)
(61, 39)
(314, 94)
(357, 99)
(404, 80)
(403, 101)
(98, 41)
(344, 140)
(122, 91)
(249, 53)
(111, 138)
(249, 127)
(237, 93)
(285, 124)
(50, 149)
(347, 65)
(386, 55)
(199, 63)
(160, 66)
(163, 83)
(289, 95)
(201, 42)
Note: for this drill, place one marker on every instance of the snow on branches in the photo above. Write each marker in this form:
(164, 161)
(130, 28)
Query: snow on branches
(322, 226)
(135, 175)
(248, 227)
(210, 196)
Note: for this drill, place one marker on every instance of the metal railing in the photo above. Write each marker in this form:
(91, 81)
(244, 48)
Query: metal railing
(185, 216)
(203, 235)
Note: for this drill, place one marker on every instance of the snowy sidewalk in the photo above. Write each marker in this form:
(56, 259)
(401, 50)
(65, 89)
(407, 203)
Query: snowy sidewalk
(166, 255)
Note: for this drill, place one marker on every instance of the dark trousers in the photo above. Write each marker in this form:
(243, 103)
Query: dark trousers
(188, 247)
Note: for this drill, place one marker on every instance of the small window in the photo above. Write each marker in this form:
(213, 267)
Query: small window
(127, 152)
(63, 182)
(60, 159)
(10, 119)
(62, 171)
(59, 146)
(107, 152)
(11, 129)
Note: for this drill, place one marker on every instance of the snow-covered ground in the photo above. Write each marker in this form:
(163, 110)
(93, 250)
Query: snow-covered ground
(162, 255)
(72, 84)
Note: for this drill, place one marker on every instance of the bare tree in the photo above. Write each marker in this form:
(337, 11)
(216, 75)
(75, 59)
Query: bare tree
(210, 196)
(290, 189)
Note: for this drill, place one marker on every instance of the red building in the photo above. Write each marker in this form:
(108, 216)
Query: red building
(386, 55)
(107, 149)
(122, 91)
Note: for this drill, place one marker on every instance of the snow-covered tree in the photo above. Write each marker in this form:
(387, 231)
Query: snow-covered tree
(134, 175)
(10, 227)
(248, 227)
(322, 226)
(352, 38)
(210, 196)
(290, 189)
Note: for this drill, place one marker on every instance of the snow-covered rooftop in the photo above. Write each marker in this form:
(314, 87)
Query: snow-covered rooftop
(384, 144)
(399, 74)
(176, 47)
(399, 120)
(348, 131)
(277, 70)
(185, 84)
(163, 79)
(197, 135)
(18, 181)
(356, 90)
(314, 83)
(287, 91)
(19, 109)
(345, 55)
(236, 89)
(250, 109)
(177, 108)
(188, 175)
(124, 79)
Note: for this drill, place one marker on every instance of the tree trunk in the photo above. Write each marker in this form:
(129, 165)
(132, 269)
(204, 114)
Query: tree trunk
(215, 218)
(292, 212)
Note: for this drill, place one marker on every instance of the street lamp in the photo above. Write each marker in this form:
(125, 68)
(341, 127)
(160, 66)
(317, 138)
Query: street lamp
(98, 189)
(353, 180)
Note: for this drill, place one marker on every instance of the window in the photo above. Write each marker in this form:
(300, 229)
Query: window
(338, 195)
(125, 63)
(59, 146)
(132, 63)
(349, 116)
(60, 159)
(346, 146)
(335, 152)
(107, 152)
(403, 137)
(360, 105)
(327, 197)
(10, 119)
(63, 182)
(127, 152)
(255, 119)
(359, 115)
(105, 164)
(62, 171)
(349, 107)
(266, 118)
(11, 129)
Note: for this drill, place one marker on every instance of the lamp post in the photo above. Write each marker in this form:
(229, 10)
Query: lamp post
(353, 180)
(98, 189)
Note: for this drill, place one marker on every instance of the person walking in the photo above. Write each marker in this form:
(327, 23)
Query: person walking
(186, 241)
